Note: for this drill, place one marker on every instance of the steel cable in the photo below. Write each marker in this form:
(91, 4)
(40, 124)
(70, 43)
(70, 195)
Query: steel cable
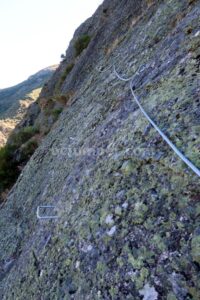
(165, 138)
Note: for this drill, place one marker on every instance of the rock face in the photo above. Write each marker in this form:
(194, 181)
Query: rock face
(14, 101)
(128, 209)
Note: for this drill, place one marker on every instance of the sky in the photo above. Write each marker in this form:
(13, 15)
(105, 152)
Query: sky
(34, 34)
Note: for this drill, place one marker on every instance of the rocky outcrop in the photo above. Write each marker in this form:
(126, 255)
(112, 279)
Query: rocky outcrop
(128, 209)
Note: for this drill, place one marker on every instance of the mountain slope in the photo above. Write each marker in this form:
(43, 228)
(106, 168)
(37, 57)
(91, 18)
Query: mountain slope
(15, 100)
(13, 94)
(128, 208)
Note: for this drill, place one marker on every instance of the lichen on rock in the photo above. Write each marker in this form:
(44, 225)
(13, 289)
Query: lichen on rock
(128, 207)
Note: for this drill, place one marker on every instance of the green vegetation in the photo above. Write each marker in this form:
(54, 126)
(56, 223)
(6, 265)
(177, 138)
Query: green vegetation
(63, 76)
(29, 148)
(56, 112)
(23, 135)
(8, 167)
(81, 43)
(53, 111)
(66, 72)
(15, 155)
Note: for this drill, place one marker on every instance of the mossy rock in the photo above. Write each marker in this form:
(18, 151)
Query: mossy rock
(195, 251)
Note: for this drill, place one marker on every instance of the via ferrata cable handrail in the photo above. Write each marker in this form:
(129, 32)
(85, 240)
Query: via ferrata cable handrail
(165, 138)
(122, 78)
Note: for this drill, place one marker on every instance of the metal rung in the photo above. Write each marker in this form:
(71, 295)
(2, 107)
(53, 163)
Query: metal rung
(45, 217)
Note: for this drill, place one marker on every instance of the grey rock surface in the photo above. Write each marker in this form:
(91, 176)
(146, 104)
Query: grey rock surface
(128, 208)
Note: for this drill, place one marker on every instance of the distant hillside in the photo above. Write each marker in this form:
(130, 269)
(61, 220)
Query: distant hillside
(15, 100)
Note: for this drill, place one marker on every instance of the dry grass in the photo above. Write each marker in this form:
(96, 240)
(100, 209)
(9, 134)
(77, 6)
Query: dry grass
(190, 2)
(114, 44)
(64, 99)
(150, 3)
